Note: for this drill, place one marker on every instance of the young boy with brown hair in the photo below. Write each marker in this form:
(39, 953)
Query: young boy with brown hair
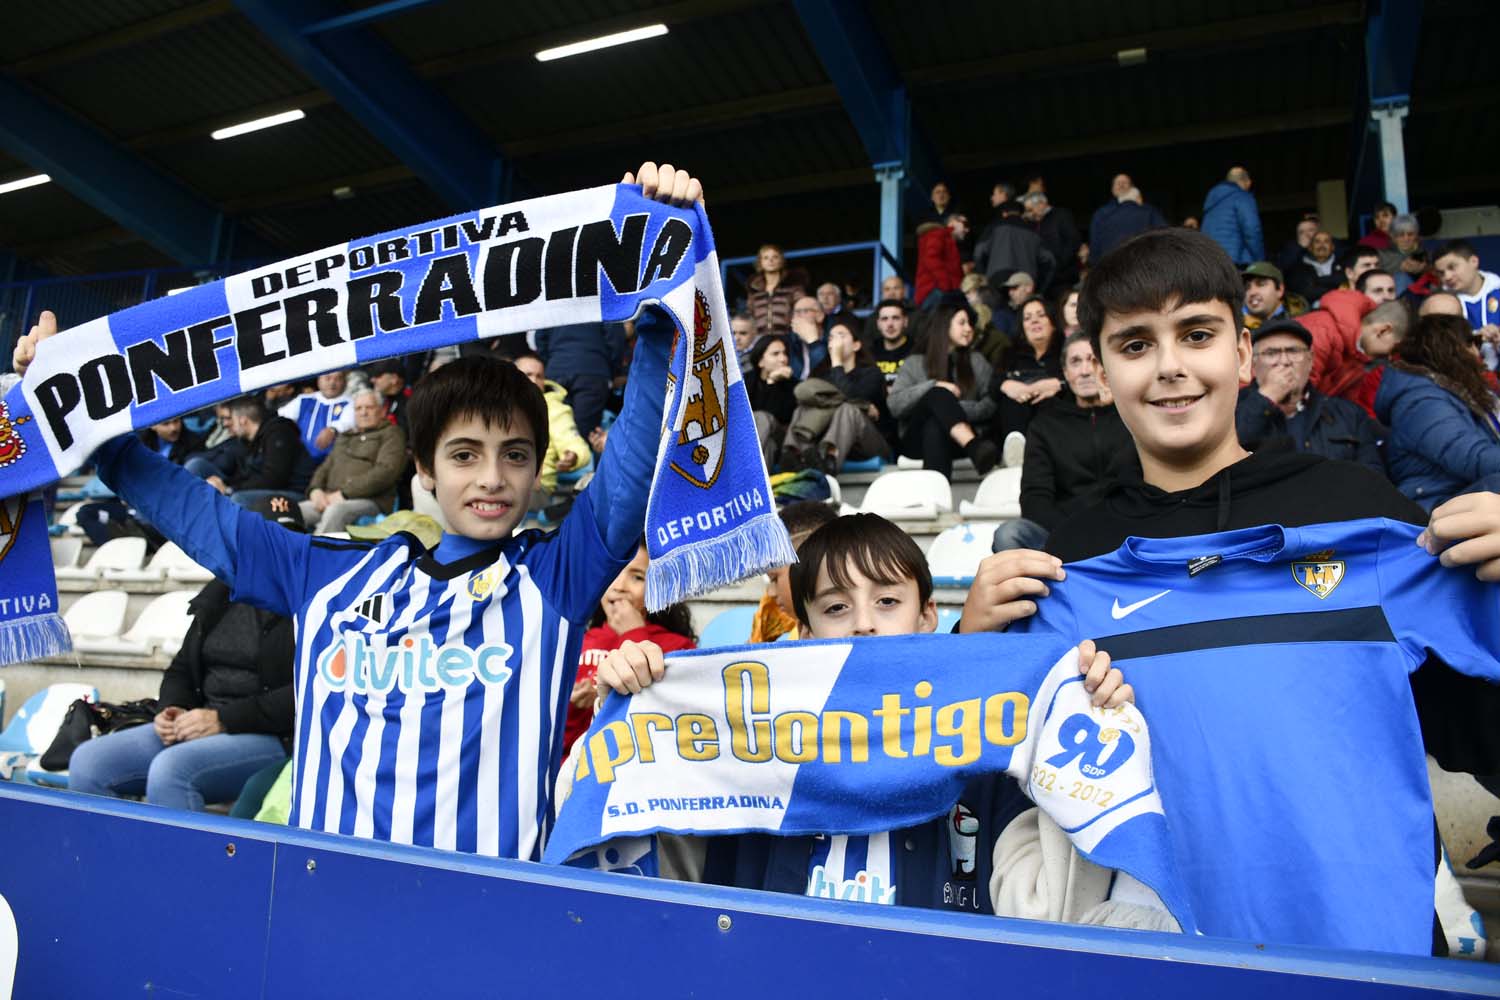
(861, 576)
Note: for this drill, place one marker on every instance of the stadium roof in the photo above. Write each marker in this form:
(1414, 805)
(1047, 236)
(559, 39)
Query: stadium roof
(418, 108)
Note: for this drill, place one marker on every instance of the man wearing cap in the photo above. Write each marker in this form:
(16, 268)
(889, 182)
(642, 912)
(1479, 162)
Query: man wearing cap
(1265, 295)
(1280, 404)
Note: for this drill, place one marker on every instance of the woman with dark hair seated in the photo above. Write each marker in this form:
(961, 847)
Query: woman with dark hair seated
(1032, 372)
(773, 394)
(940, 397)
(1445, 433)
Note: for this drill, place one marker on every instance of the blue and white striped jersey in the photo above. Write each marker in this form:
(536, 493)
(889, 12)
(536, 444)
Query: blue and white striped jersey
(431, 688)
(314, 411)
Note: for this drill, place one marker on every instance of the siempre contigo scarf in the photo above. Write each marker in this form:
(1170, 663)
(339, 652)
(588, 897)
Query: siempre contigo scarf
(596, 255)
(862, 737)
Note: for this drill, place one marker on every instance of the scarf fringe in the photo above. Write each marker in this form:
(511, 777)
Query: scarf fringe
(33, 637)
(690, 570)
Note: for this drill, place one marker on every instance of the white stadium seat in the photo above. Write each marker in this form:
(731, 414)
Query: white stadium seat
(100, 615)
(169, 563)
(162, 623)
(116, 554)
(65, 552)
(998, 497)
(69, 519)
(909, 495)
(955, 554)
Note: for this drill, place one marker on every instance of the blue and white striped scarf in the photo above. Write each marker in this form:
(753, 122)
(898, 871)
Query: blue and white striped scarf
(860, 737)
(596, 255)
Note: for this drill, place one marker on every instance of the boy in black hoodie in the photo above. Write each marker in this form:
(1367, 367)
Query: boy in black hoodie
(1162, 311)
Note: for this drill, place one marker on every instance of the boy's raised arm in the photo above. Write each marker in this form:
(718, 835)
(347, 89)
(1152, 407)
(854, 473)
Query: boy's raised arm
(213, 530)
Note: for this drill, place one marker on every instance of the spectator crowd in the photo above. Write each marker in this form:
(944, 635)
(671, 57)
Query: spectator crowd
(1380, 351)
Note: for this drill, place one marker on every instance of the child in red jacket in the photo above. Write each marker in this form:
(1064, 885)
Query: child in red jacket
(622, 618)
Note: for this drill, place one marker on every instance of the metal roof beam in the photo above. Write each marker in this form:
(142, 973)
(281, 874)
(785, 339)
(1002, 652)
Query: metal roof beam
(80, 158)
(1240, 31)
(373, 83)
(131, 34)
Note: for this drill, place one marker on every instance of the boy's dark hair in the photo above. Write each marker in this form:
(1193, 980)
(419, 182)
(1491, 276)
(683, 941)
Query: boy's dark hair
(806, 516)
(480, 386)
(1459, 248)
(868, 542)
(1154, 270)
(1352, 256)
(891, 303)
(525, 352)
(1363, 279)
(250, 406)
(1387, 206)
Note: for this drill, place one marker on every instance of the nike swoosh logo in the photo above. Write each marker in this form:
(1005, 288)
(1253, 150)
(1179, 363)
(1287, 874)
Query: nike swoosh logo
(1118, 612)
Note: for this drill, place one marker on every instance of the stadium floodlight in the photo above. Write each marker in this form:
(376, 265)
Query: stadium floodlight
(602, 42)
(270, 121)
(24, 182)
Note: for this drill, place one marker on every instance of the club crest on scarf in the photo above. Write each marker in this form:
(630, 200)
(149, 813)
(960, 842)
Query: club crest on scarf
(11, 509)
(12, 445)
(698, 454)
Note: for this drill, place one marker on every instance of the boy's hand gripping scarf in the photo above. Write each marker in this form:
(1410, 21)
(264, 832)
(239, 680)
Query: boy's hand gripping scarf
(587, 256)
(862, 737)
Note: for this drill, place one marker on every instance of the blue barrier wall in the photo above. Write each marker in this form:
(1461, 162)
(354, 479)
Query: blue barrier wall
(116, 898)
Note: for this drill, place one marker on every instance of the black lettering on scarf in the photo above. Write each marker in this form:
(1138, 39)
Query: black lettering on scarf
(671, 243)
(447, 280)
(560, 263)
(204, 347)
(149, 362)
(375, 291)
(59, 396)
(478, 233)
(618, 254)
(513, 273)
(309, 311)
(251, 326)
(106, 385)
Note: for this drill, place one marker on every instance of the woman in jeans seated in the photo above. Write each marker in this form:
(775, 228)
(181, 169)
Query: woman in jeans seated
(940, 397)
(227, 707)
(836, 413)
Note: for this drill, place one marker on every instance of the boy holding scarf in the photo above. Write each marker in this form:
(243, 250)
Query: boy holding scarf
(431, 686)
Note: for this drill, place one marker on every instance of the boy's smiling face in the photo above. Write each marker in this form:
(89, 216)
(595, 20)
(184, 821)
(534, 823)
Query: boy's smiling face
(1175, 376)
(482, 475)
(866, 607)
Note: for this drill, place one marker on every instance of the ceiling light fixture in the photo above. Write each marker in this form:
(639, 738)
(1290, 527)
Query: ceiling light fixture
(602, 42)
(24, 182)
(271, 121)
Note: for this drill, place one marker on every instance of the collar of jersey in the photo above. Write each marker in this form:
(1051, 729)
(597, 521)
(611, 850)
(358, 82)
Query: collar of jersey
(1262, 543)
(456, 555)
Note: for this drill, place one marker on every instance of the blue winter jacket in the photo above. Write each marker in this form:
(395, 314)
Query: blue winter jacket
(1231, 217)
(1437, 446)
(1114, 224)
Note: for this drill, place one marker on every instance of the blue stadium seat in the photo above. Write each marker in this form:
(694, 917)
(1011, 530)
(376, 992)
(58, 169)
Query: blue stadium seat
(862, 465)
(730, 627)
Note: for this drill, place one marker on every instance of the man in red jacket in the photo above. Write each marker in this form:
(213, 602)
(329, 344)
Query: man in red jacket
(1337, 360)
(938, 266)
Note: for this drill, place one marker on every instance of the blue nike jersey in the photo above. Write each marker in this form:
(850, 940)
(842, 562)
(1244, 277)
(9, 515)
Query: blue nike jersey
(1294, 779)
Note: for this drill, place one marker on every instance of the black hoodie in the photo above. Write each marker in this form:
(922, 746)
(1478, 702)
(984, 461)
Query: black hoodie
(1073, 455)
(1460, 715)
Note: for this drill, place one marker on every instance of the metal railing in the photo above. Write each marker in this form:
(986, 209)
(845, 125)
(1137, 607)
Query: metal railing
(741, 267)
(81, 298)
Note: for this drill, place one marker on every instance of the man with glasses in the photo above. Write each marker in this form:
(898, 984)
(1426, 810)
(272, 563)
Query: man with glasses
(1281, 404)
(807, 344)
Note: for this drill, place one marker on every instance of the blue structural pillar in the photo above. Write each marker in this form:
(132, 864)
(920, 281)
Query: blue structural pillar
(873, 93)
(892, 178)
(1392, 32)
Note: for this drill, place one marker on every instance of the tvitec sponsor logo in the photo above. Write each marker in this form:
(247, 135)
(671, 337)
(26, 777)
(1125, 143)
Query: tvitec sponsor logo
(365, 664)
